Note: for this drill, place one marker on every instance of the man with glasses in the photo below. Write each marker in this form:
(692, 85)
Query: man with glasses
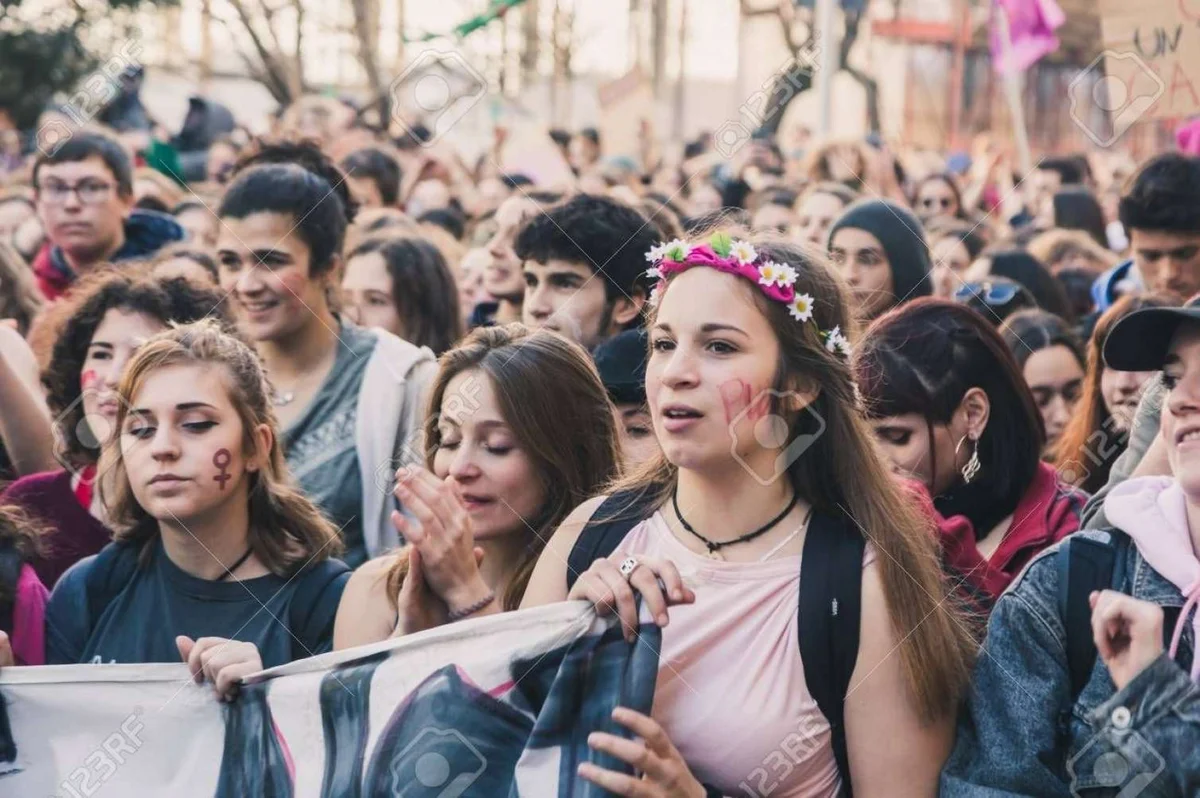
(84, 194)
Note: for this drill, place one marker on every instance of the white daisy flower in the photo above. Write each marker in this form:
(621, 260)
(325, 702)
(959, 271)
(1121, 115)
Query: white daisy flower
(743, 252)
(801, 307)
(655, 296)
(787, 276)
(768, 273)
(831, 340)
(654, 272)
(677, 250)
(843, 345)
(656, 253)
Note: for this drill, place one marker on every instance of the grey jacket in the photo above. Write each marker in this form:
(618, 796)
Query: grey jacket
(1019, 733)
(1145, 429)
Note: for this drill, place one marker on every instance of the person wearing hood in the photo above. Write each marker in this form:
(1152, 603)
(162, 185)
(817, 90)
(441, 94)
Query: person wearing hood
(1092, 682)
(880, 249)
(84, 195)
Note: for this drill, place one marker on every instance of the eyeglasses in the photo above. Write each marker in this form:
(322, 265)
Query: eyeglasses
(996, 295)
(90, 192)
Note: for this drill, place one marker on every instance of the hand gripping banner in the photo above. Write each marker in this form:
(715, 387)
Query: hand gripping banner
(486, 708)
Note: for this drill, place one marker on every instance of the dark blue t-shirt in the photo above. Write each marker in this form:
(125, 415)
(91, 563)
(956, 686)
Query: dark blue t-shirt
(141, 619)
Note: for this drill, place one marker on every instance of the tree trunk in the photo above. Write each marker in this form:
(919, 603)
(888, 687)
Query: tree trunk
(785, 87)
(366, 31)
(870, 86)
(658, 46)
(530, 40)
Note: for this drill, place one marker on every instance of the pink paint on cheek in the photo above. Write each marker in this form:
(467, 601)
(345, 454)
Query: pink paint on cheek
(740, 397)
(88, 378)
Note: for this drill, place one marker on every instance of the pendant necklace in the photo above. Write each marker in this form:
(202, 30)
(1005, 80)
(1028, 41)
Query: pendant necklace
(715, 546)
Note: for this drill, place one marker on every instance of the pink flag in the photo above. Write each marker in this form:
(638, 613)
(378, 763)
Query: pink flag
(1031, 26)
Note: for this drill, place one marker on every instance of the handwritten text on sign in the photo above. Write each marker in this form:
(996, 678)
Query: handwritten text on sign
(1153, 55)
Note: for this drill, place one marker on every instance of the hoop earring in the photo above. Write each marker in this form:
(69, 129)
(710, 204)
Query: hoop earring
(973, 466)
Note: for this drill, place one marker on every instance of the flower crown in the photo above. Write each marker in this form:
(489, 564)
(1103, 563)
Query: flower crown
(776, 280)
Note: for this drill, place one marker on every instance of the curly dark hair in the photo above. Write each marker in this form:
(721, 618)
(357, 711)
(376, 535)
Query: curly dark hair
(607, 236)
(169, 300)
(24, 534)
(1164, 195)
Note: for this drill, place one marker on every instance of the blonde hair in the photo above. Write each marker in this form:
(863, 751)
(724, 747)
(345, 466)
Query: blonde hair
(287, 531)
(842, 474)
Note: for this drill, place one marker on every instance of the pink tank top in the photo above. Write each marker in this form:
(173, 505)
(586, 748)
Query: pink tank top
(731, 691)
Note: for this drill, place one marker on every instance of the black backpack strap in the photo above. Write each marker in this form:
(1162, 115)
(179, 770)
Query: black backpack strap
(311, 584)
(1085, 565)
(608, 526)
(111, 570)
(11, 563)
(829, 618)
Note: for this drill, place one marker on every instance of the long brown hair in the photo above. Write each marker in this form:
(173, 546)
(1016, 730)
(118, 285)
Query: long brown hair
(843, 474)
(287, 531)
(551, 396)
(19, 297)
(1078, 453)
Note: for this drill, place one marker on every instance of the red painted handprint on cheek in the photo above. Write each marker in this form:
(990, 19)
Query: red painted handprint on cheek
(739, 398)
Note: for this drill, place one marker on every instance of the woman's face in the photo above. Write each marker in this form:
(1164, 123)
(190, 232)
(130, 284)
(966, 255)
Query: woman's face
(119, 334)
(814, 217)
(1181, 409)
(495, 475)
(1121, 391)
(935, 200)
(950, 263)
(367, 291)
(864, 265)
(905, 441)
(1056, 380)
(264, 267)
(182, 443)
(710, 376)
(471, 273)
(635, 433)
(201, 225)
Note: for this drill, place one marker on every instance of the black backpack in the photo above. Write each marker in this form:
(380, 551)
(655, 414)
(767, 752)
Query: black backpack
(1085, 564)
(829, 611)
(11, 563)
(117, 563)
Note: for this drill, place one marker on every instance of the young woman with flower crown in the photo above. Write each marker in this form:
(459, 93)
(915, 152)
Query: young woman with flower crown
(746, 338)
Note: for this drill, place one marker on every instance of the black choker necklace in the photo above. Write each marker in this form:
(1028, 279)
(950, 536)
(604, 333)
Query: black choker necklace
(715, 546)
(229, 571)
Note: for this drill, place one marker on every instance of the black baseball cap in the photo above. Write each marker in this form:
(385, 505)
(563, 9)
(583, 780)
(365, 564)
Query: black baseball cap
(1139, 342)
(621, 361)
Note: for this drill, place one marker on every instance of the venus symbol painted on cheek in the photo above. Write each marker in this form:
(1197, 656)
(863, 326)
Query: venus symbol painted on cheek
(221, 460)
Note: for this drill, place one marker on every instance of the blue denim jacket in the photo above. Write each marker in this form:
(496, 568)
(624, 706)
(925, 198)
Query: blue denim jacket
(1016, 736)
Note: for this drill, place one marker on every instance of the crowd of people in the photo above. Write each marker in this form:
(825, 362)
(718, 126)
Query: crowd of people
(898, 454)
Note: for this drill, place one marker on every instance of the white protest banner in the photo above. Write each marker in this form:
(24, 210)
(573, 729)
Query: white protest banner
(491, 707)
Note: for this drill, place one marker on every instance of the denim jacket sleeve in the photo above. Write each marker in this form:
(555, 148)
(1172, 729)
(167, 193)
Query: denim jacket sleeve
(1142, 432)
(1154, 726)
(1008, 740)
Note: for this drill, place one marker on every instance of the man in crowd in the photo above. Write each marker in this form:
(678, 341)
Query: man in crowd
(1161, 212)
(503, 279)
(584, 263)
(84, 195)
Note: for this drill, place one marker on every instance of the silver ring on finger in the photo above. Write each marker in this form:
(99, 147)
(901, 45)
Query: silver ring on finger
(627, 567)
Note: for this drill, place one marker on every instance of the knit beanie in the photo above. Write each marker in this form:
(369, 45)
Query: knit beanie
(903, 240)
